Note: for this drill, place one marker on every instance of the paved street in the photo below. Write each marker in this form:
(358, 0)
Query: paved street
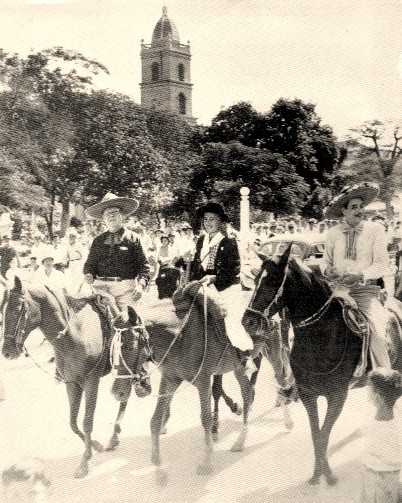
(274, 466)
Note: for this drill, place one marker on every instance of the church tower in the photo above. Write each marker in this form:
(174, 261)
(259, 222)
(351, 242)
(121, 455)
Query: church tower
(166, 82)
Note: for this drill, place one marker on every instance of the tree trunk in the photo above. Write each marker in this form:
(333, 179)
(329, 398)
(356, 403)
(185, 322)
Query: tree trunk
(65, 218)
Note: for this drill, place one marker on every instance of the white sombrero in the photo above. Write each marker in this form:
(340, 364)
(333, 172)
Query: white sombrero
(126, 205)
(366, 191)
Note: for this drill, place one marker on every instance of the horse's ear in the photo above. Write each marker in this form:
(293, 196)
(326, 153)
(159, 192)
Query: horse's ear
(262, 257)
(283, 259)
(17, 285)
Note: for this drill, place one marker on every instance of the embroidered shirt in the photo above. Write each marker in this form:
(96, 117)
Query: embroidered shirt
(371, 251)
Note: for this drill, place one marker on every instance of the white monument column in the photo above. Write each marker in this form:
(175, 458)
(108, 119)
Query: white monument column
(244, 219)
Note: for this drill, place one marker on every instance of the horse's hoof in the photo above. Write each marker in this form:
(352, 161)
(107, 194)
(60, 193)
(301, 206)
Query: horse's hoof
(81, 472)
(97, 446)
(204, 469)
(315, 480)
(237, 447)
(114, 442)
(331, 479)
(164, 430)
(215, 436)
(239, 411)
(161, 477)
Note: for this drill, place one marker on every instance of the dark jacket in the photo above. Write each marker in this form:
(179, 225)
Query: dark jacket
(125, 259)
(227, 264)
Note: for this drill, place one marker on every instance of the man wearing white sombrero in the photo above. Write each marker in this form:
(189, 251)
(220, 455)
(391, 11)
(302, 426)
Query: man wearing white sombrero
(356, 257)
(116, 264)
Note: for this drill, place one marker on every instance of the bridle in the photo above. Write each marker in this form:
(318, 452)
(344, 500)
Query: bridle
(301, 324)
(117, 359)
(20, 328)
(264, 315)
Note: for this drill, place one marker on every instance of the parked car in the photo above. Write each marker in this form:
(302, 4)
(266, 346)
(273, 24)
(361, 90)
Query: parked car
(307, 247)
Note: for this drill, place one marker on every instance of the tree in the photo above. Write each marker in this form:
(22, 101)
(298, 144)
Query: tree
(114, 152)
(239, 122)
(37, 112)
(374, 153)
(291, 129)
(225, 168)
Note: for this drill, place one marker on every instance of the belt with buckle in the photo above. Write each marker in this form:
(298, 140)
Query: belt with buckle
(109, 278)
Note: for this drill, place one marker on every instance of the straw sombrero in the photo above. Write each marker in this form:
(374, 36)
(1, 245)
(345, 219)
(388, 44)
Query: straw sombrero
(126, 205)
(366, 191)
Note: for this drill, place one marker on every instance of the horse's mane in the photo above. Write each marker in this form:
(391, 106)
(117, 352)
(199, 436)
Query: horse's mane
(68, 315)
(310, 276)
(193, 292)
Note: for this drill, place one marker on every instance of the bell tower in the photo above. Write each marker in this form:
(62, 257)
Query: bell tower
(166, 80)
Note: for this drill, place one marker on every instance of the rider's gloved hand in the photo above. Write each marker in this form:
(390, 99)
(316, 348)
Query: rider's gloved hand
(89, 278)
(139, 289)
(352, 279)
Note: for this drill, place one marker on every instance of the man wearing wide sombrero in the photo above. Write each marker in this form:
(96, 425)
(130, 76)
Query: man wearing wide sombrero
(356, 258)
(116, 264)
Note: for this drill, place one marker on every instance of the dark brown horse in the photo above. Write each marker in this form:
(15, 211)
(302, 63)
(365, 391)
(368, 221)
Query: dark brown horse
(79, 342)
(325, 351)
(190, 347)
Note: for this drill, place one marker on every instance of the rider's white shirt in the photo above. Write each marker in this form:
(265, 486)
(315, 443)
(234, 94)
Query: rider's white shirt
(371, 252)
(56, 279)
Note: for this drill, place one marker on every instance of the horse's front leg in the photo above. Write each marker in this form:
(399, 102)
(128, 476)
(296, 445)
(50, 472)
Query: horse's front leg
(114, 441)
(310, 404)
(167, 389)
(91, 394)
(216, 395)
(335, 406)
(247, 392)
(74, 392)
(204, 391)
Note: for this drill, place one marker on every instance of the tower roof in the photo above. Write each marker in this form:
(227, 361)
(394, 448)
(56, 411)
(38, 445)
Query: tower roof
(165, 29)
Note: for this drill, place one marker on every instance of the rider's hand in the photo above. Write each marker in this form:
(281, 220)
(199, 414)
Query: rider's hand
(331, 272)
(208, 279)
(352, 279)
(89, 278)
(137, 293)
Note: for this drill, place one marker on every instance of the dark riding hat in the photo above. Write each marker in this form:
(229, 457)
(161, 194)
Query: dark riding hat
(215, 208)
(366, 191)
(127, 206)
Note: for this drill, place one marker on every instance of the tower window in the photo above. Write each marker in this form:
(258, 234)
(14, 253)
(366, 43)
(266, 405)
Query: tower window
(182, 104)
(181, 71)
(155, 71)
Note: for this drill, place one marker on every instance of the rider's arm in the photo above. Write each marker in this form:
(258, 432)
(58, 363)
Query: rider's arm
(380, 263)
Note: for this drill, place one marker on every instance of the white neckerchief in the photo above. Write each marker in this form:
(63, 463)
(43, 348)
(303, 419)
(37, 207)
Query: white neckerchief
(206, 247)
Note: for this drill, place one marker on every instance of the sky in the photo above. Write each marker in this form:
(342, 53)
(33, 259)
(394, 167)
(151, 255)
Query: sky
(345, 56)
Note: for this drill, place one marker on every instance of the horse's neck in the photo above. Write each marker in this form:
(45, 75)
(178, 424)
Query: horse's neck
(52, 319)
(304, 300)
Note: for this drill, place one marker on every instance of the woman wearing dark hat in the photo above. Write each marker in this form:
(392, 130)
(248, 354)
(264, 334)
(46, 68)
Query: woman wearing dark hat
(356, 258)
(217, 264)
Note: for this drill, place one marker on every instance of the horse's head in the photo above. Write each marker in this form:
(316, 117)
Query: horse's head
(129, 351)
(20, 317)
(267, 297)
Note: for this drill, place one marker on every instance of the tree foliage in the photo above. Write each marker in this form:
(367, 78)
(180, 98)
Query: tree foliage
(374, 154)
(225, 168)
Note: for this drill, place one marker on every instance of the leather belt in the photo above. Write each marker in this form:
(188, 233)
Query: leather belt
(371, 282)
(109, 278)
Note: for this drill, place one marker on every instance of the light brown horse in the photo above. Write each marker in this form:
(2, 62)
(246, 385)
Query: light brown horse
(190, 347)
(79, 340)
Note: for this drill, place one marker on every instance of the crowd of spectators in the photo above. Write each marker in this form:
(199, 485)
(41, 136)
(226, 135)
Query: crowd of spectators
(59, 260)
